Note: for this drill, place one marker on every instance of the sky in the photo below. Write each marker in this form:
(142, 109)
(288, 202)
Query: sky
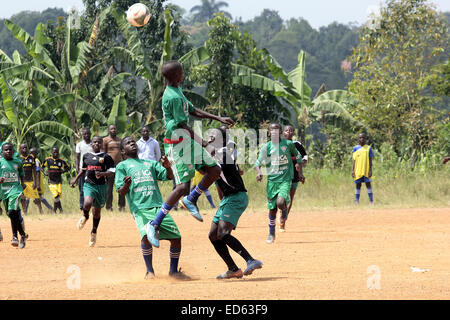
(317, 12)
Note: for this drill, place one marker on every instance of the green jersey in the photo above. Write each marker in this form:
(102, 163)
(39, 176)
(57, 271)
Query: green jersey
(11, 170)
(176, 109)
(144, 191)
(277, 158)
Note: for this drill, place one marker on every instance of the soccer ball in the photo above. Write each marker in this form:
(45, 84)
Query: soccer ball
(138, 15)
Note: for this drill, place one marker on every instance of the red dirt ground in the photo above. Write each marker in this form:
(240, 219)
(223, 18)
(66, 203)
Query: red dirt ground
(323, 255)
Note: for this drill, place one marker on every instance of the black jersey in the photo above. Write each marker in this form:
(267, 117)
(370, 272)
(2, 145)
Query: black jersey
(29, 165)
(230, 181)
(56, 167)
(302, 151)
(97, 162)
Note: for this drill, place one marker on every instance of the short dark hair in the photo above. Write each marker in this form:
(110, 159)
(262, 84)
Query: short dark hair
(171, 69)
(7, 144)
(122, 142)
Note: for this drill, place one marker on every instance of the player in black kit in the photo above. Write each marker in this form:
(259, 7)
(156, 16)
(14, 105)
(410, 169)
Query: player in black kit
(234, 201)
(97, 166)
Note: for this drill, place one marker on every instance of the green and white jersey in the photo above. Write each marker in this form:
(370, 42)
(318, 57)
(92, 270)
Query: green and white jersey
(144, 191)
(11, 170)
(277, 159)
(176, 108)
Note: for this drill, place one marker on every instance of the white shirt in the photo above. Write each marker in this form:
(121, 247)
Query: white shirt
(82, 148)
(149, 149)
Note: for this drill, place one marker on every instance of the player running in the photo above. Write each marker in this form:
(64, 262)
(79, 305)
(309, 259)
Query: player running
(137, 180)
(96, 167)
(288, 133)
(276, 155)
(11, 189)
(56, 167)
(183, 148)
(234, 201)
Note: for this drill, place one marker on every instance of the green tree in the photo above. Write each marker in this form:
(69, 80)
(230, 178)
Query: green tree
(398, 52)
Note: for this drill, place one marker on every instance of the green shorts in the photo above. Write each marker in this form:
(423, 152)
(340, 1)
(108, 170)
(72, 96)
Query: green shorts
(96, 192)
(294, 185)
(275, 190)
(186, 157)
(167, 230)
(12, 202)
(231, 208)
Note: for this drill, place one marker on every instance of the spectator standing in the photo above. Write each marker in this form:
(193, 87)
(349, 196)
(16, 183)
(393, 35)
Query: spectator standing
(148, 148)
(111, 146)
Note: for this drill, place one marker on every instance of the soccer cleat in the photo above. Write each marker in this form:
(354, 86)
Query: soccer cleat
(152, 234)
(15, 242)
(251, 266)
(230, 274)
(271, 238)
(26, 236)
(192, 208)
(81, 222)
(179, 275)
(22, 242)
(1, 237)
(149, 275)
(93, 239)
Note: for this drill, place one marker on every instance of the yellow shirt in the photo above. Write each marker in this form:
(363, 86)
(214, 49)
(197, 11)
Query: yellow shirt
(361, 157)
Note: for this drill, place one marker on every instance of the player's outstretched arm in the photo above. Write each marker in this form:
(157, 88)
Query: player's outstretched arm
(206, 115)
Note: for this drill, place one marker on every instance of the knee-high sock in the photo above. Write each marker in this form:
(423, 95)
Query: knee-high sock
(223, 252)
(196, 193)
(165, 209)
(357, 194)
(147, 253)
(210, 199)
(95, 223)
(174, 258)
(272, 224)
(370, 193)
(237, 246)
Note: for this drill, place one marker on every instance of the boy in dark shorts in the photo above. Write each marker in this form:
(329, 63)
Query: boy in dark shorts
(55, 167)
(234, 201)
(11, 190)
(96, 167)
(137, 180)
(288, 133)
(184, 149)
(276, 155)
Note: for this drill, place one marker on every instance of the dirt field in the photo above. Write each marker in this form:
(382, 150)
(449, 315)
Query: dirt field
(358, 254)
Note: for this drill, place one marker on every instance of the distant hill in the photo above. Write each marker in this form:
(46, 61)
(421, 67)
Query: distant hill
(28, 20)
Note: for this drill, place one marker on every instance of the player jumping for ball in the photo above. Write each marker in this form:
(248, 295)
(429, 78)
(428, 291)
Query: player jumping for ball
(276, 155)
(97, 166)
(137, 180)
(185, 153)
(234, 201)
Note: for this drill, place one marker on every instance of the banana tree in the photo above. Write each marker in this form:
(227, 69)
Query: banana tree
(26, 121)
(64, 80)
